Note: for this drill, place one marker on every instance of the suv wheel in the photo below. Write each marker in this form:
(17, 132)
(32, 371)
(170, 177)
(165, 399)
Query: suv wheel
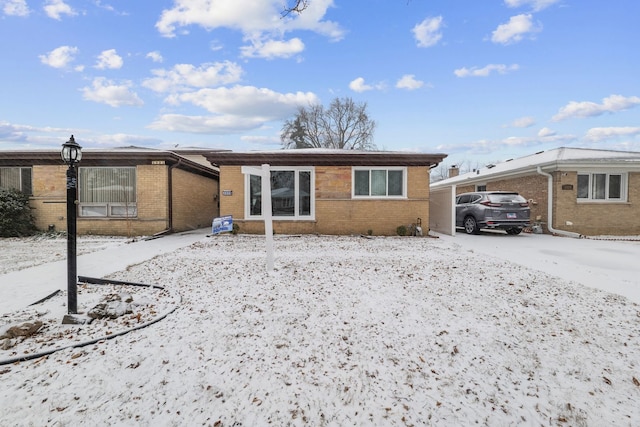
(470, 225)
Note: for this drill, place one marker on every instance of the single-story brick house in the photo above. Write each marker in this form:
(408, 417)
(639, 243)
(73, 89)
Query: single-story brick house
(571, 190)
(127, 191)
(327, 191)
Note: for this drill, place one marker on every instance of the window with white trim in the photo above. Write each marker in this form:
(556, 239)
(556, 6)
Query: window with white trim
(16, 178)
(107, 192)
(602, 187)
(292, 193)
(379, 182)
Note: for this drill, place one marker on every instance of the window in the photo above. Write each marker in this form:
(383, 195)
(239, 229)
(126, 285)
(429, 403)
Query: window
(383, 182)
(291, 194)
(107, 192)
(17, 179)
(602, 187)
(482, 187)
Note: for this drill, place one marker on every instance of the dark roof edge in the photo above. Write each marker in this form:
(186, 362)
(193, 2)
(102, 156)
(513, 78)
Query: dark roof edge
(106, 158)
(348, 158)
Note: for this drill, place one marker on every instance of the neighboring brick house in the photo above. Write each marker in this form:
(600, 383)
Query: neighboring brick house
(127, 191)
(584, 191)
(327, 191)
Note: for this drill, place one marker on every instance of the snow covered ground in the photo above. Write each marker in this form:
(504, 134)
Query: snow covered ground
(345, 331)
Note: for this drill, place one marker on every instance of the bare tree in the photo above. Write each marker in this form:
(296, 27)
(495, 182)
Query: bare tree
(344, 125)
(298, 6)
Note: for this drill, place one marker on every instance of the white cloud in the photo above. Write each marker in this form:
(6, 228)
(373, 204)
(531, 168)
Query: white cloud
(514, 31)
(235, 109)
(15, 8)
(610, 104)
(185, 76)
(250, 17)
(56, 8)
(107, 92)
(109, 8)
(123, 139)
(485, 146)
(485, 71)
(59, 57)
(205, 124)
(408, 81)
(216, 45)
(248, 101)
(109, 59)
(261, 140)
(523, 122)
(427, 33)
(358, 85)
(536, 5)
(604, 133)
(546, 133)
(155, 56)
(273, 49)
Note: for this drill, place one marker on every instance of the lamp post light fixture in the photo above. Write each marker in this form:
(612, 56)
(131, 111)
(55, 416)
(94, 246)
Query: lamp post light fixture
(71, 155)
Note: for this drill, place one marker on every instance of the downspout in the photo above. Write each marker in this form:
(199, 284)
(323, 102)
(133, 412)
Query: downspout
(550, 208)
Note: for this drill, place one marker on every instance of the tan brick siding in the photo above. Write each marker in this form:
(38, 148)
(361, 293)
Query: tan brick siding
(596, 218)
(195, 200)
(232, 179)
(336, 212)
(587, 218)
(49, 202)
(531, 187)
(151, 202)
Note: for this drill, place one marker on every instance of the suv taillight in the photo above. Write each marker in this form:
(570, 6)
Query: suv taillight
(491, 204)
(524, 204)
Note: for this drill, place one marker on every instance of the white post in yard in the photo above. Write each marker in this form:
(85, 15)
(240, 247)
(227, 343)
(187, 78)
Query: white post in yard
(265, 174)
(267, 214)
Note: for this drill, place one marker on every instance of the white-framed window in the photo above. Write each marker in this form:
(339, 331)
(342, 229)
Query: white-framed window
(107, 192)
(602, 186)
(16, 178)
(379, 182)
(292, 194)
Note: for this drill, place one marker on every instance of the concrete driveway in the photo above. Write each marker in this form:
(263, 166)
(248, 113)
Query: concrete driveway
(611, 265)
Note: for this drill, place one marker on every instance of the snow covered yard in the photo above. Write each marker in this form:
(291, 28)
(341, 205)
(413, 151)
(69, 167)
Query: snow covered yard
(345, 331)
(19, 253)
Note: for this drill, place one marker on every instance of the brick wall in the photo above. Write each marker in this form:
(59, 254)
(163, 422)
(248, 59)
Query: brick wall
(587, 218)
(232, 179)
(336, 212)
(49, 200)
(151, 202)
(531, 187)
(596, 218)
(195, 201)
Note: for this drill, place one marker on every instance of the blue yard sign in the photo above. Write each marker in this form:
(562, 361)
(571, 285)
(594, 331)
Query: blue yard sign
(222, 224)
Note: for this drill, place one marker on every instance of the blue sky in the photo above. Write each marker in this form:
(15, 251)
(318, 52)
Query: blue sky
(482, 81)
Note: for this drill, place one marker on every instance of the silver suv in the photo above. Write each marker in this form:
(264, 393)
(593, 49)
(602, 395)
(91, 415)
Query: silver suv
(505, 210)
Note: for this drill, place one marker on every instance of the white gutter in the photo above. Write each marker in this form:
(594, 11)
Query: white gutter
(550, 208)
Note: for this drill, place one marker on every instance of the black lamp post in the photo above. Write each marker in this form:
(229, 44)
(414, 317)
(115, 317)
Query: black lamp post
(71, 155)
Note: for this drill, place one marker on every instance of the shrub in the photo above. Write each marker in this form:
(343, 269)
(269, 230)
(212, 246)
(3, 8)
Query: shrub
(235, 228)
(15, 214)
(401, 230)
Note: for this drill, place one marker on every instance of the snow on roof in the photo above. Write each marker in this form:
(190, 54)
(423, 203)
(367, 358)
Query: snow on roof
(549, 159)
